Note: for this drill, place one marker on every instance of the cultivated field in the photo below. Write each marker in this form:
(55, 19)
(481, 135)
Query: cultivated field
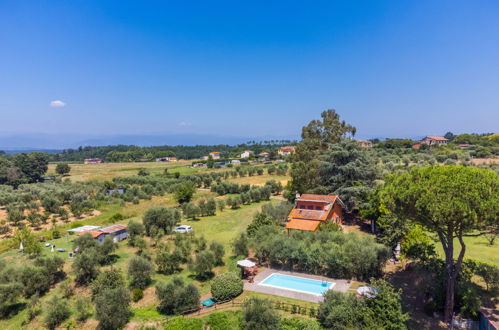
(107, 171)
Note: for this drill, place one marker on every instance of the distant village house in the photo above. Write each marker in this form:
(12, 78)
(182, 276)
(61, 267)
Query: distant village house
(215, 155)
(166, 159)
(365, 143)
(246, 154)
(92, 161)
(434, 140)
(312, 210)
(286, 150)
(264, 154)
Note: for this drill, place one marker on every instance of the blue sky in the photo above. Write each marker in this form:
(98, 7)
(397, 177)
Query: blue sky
(248, 68)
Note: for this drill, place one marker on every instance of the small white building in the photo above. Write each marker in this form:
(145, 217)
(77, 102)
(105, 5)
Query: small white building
(215, 155)
(246, 154)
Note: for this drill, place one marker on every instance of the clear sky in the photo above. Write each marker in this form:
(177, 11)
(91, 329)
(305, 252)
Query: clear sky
(248, 68)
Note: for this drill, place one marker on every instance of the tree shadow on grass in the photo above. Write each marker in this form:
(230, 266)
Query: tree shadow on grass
(11, 310)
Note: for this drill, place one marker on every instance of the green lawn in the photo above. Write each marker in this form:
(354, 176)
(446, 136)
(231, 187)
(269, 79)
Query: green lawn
(476, 248)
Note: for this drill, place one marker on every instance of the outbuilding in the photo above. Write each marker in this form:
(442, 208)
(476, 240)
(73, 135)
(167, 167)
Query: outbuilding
(118, 232)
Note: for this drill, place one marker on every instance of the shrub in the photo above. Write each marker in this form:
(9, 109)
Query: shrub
(57, 311)
(83, 308)
(224, 320)
(137, 294)
(203, 265)
(112, 308)
(240, 245)
(259, 314)
(184, 323)
(162, 218)
(139, 272)
(184, 192)
(34, 307)
(108, 279)
(67, 289)
(226, 286)
(176, 297)
(299, 323)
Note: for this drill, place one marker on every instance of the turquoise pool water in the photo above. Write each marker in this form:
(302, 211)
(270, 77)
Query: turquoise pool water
(296, 283)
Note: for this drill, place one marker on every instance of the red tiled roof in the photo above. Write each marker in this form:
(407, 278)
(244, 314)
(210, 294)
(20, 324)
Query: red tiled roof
(438, 138)
(313, 197)
(112, 229)
(94, 233)
(303, 224)
(286, 148)
(319, 215)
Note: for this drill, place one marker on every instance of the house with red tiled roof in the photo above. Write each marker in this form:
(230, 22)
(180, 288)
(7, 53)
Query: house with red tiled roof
(434, 140)
(312, 210)
(286, 150)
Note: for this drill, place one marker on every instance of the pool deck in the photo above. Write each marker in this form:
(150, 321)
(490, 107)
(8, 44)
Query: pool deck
(340, 285)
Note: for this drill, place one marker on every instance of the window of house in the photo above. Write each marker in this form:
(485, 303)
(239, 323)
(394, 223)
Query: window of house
(310, 207)
(318, 208)
(301, 206)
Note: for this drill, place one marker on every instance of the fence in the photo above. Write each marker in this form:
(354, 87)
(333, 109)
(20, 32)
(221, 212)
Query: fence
(234, 303)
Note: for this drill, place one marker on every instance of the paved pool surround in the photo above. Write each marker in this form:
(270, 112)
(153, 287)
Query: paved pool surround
(339, 285)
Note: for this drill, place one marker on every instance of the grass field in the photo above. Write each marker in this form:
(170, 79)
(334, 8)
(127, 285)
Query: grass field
(476, 248)
(107, 171)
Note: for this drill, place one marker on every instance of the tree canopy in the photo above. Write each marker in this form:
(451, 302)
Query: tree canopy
(451, 201)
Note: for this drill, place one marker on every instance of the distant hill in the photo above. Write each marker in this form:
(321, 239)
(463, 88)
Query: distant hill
(29, 150)
(67, 141)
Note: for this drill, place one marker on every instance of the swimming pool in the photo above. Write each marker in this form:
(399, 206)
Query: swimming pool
(299, 284)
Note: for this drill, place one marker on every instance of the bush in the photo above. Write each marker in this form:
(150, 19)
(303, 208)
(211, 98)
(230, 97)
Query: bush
(108, 279)
(83, 308)
(226, 286)
(139, 272)
(34, 307)
(240, 245)
(175, 297)
(299, 323)
(184, 323)
(259, 314)
(339, 311)
(137, 294)
(224, 320)
(57, 311)
(203, 265)
(112, 308)
(184, 192)
(162, 218)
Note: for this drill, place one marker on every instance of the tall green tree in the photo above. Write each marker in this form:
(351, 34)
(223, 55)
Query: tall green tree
(33, 166)
(346, 170)
(451, 201)
(316, 138)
